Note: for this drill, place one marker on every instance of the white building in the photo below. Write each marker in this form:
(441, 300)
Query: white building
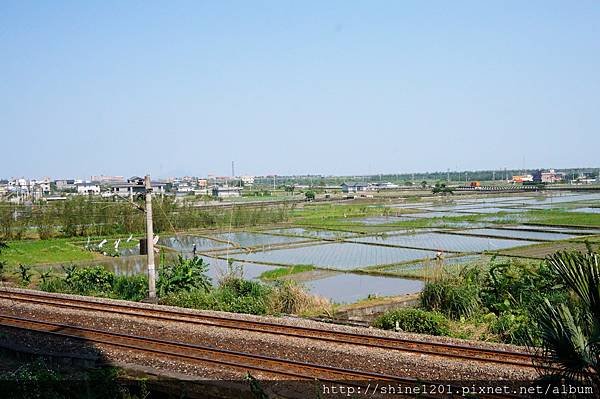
(247, 180)
(88, 188)
(354, 187)
(226, 191)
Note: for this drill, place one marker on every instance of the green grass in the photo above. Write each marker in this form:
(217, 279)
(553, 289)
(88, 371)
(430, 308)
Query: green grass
(285, 271)
(110, 241)
(340, 217)
(558, 217)
(33, 252)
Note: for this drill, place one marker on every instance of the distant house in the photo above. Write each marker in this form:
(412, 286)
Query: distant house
(354, 187)
(385, 185)
(88, 188)
(65, 184)
(3, 187)
(226, 191)
(247, 180)
(135, 185)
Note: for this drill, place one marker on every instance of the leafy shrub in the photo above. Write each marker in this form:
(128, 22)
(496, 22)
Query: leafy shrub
(55, 284)
(97, 281)
(184, 275)
(454, 298)
(513, 328)
(24, 273)
(91, 280)
(194, 299)
(3, 246)
(414, 320)
(515, 284)
(130, 288)
(225, 299)
(233, 295)
(243, 296)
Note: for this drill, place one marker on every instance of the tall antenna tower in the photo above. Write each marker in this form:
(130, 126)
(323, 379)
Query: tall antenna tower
(232, 169)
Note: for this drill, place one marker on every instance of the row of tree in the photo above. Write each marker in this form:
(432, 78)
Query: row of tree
(86, 216)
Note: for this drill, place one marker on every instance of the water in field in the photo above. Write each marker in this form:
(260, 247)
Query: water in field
(456, 260)
(446, 242)
(343, 256)
(425, 215)
(375, 220)
(301, 232)
(490, 210)
(348, 287)
(506, 218)
(132, 265)
(586, 210)
(185, 243)
(528, 235)
(566, 230)
(247, 239)
(562, 199)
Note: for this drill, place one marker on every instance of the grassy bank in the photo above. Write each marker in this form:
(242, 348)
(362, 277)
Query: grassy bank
(285, 271)
(563, 218)
(492, 302)
(32, 252)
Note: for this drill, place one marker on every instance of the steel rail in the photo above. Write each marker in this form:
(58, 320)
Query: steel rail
(451, 350)
(289, 369)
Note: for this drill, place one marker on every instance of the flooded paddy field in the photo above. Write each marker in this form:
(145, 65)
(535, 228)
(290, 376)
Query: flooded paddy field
(524, 234)
(586, 210)
(445, 242)
(302, 232)
(252, 239)
(462, 229)
(342, 256)
(349, 287)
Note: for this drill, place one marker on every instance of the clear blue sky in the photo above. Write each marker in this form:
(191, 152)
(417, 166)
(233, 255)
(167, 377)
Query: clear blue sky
(331, 87)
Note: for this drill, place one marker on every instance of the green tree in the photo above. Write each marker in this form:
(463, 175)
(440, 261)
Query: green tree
(3, 246)
(440, 188)
(184, 275)
(310, 195)
(571, 334)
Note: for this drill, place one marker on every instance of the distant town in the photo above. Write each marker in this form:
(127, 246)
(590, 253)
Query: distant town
(21, 189)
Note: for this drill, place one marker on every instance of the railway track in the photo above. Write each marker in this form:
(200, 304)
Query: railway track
(192, 352)
(285, 369)
(448, 350)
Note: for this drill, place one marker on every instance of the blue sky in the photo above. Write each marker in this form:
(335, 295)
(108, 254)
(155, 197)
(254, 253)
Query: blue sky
(322, 87)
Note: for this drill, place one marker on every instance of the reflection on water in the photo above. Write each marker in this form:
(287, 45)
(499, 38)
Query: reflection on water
(531, 235)
(247, 239)
(348, 287)
(338, 288)
(299, 231)
(185, 243)
(338, 255)
(131, 265)
(447, 242)
(456, 260)
(586, 210)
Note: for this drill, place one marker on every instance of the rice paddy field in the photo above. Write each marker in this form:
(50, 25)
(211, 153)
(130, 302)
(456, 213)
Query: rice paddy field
(388, 248)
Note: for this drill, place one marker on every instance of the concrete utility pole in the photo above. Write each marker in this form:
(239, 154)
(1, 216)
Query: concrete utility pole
(150, 240)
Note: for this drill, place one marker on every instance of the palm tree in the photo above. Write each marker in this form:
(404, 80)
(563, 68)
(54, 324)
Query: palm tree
(571, 334)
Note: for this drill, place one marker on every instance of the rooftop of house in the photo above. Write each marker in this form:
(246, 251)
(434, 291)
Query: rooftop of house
(360, 184)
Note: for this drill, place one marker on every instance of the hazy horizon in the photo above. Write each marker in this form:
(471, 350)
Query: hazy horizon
(332, 88)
